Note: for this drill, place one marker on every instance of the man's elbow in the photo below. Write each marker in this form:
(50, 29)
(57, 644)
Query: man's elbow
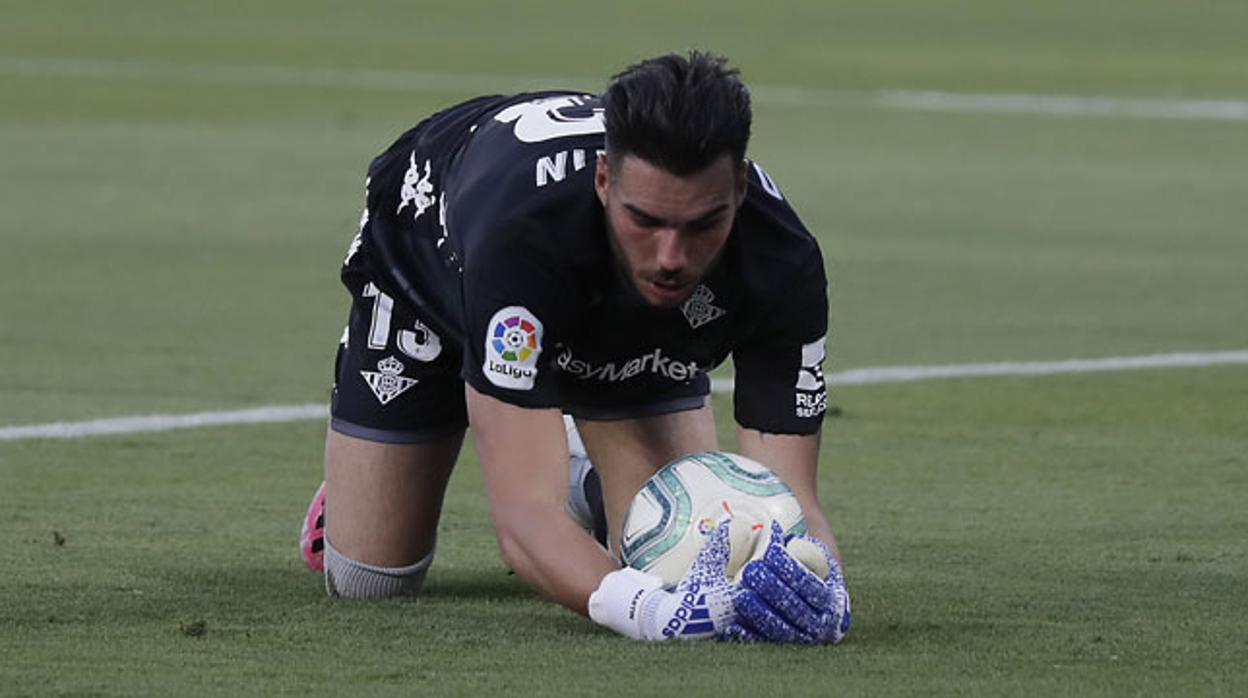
(510, 549)
(514, 528)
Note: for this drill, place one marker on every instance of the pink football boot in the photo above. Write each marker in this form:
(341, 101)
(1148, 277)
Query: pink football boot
(312, 535)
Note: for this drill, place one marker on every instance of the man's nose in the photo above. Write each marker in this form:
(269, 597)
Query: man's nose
(672, 255)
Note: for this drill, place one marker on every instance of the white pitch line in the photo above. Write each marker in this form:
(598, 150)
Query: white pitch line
(164, 422)
(862, 376)
(898, 374)
(477, 83)
(1068, 105)
(905, 374)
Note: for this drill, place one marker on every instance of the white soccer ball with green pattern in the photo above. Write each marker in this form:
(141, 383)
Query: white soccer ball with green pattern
(681, 504)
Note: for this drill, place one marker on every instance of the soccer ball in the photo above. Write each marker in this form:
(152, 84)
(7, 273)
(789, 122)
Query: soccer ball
(681, 504)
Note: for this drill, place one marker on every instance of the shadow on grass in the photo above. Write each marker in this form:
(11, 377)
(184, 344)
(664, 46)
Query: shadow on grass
(259, 585)
(490, 584)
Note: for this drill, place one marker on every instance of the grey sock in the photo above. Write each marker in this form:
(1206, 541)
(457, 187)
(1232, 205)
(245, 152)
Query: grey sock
(353, 579)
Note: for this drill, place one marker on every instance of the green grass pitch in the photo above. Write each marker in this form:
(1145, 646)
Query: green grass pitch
(178, 184)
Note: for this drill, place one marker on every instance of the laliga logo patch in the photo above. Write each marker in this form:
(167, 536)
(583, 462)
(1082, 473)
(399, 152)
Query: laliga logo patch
(512, 346)
(515, 339)
(387, 382)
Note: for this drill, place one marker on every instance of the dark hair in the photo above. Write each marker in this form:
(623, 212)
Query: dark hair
(680, 113)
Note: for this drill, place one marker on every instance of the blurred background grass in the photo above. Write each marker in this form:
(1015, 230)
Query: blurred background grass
(181, 179)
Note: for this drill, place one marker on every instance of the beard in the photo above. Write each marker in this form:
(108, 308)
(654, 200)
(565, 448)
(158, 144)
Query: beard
(638, 280)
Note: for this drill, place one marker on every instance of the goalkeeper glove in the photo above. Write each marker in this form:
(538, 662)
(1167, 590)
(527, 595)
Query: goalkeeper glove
(794, 594)
(634, 603)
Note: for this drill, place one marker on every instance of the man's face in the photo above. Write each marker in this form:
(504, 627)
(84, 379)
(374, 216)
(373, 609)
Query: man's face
(666, 230)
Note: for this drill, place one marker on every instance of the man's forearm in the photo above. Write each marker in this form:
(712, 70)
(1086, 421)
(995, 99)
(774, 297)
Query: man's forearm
(548, 550)
(524, 461)
(795, 459)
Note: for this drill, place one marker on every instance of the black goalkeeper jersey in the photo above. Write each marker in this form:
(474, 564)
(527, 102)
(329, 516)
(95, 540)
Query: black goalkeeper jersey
(485, 217)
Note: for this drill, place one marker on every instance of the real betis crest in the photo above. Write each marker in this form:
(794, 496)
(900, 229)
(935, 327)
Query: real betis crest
(387, 382)
(698, 309)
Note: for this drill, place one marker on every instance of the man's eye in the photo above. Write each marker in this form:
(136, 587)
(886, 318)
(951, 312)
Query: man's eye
(702, 225)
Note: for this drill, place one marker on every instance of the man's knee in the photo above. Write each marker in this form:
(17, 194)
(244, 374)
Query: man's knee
(352, 579)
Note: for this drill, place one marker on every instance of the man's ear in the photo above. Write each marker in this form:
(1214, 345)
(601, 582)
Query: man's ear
(602, 178)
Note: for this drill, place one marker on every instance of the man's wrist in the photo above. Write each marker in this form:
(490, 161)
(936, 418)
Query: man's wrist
(620, 599)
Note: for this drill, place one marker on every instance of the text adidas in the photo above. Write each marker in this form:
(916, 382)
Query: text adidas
(689, 602)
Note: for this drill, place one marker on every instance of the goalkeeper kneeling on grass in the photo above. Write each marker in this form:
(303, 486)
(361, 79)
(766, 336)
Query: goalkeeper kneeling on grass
(529, 256)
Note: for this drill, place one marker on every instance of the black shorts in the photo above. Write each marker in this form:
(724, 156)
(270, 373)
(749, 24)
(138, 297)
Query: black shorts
(396, 379)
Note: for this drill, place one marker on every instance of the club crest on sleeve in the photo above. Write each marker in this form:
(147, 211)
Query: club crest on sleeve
(417, 190)
(513, 343)
(387, 382)
(698, 309)
(812, 393)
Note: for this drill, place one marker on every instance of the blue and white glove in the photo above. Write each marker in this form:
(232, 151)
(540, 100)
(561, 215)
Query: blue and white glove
(782, 600)
(635, 604)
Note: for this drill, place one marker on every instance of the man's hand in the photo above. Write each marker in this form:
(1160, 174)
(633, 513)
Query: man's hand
(633, 603)
(794, 594)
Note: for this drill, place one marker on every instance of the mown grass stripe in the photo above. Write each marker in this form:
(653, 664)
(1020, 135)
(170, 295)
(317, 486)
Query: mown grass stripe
(1094, 106)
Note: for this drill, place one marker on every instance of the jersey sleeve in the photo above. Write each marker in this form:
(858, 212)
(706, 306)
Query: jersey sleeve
(779, 386)
(515, 311)
(515, 210)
